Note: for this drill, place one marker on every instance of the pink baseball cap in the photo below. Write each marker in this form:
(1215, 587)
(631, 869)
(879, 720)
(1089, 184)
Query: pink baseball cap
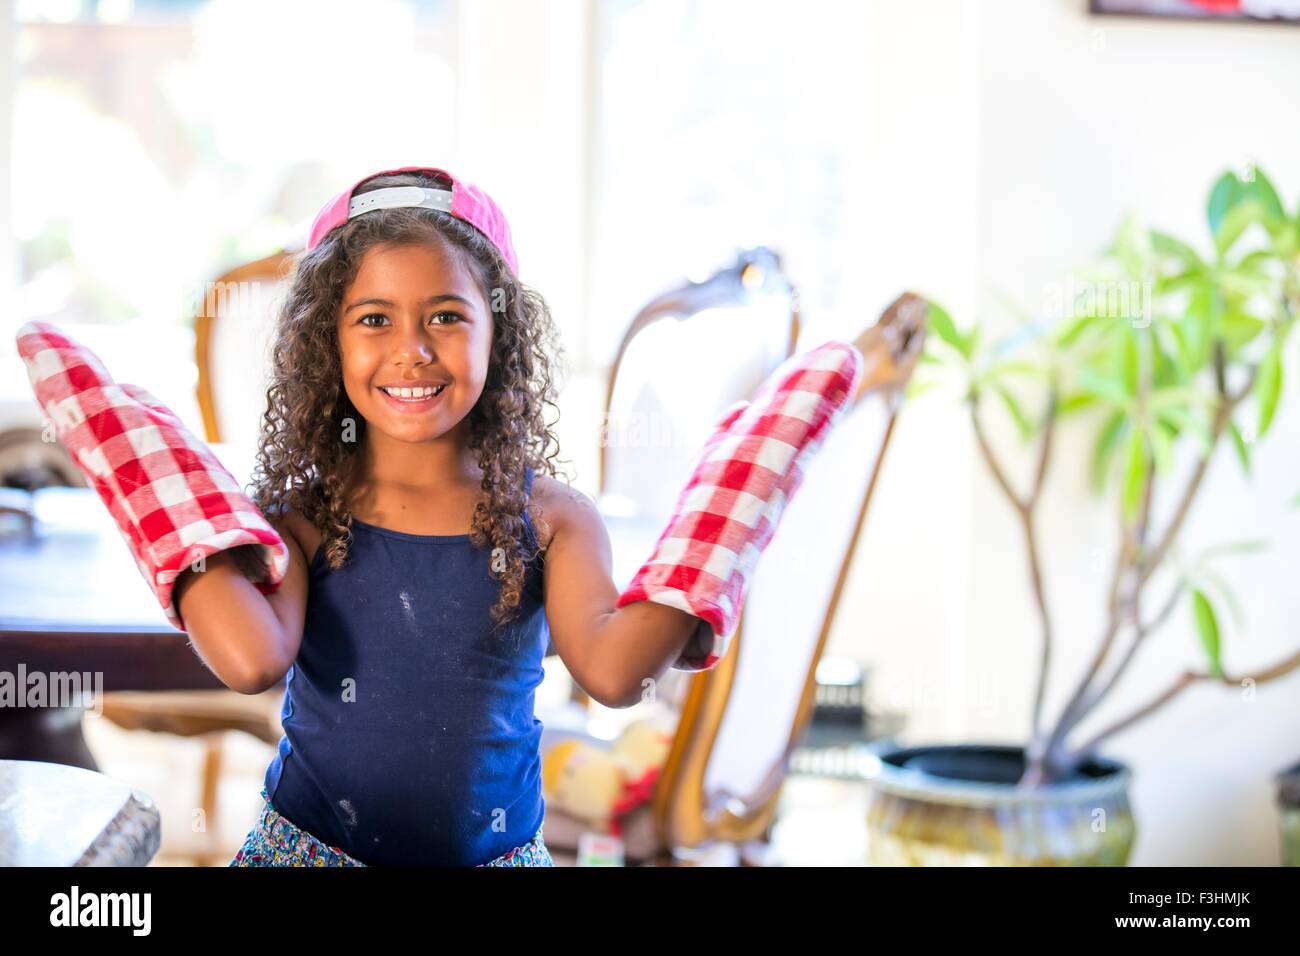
(463, 200)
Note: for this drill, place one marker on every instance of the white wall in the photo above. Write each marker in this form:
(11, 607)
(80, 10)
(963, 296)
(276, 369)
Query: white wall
(1078, 120)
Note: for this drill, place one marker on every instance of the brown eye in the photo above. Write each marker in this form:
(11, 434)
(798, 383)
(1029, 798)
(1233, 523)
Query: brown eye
(371, 315)
(453, 318)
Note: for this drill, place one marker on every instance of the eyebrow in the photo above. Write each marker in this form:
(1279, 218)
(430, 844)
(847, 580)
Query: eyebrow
(431, 300)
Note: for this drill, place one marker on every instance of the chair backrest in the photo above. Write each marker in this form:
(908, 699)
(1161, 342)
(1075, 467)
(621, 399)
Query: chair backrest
(741, 720)
(670, 380)
(232, 340)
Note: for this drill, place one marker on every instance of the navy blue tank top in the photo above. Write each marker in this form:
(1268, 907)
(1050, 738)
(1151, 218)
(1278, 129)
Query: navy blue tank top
(409, 731)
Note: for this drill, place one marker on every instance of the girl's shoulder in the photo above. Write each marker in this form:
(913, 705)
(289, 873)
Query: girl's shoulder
(560, 503)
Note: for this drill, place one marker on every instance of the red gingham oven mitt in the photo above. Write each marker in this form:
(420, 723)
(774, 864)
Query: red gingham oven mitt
(174, 502)
(749, 468)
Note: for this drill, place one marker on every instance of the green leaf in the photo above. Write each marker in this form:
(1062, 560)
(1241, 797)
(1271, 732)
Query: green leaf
(1207, 627)
(1225, 194)
(1268, 386)
(1166, 244)
(1235, 222)
(1261, 190)
(1173, 396)
(1236, 203)
(1182, 354)
(1196, 325)
(1103, 387)
(1166, 361)
(1129, 364)
(1030, 369)
(1229, 596)
(1112, 432)
(1258, 263)
(1075, 403)
(1286, 240)
(1183, 420)
(1239, 443)
(1164, 340)
(1076, 327)
(1243, 283)
(1188, 279)
(942, 323)
(1023, 423)
(1238, 328)
(1162, 447)
(1135, 474)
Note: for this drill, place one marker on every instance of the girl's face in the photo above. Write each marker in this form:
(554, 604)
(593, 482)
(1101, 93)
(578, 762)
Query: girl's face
(413, 318)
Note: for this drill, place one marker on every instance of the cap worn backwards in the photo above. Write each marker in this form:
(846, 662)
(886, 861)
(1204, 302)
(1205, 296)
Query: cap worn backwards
(463, 200)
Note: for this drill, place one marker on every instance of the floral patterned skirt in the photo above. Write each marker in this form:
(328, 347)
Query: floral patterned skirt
(277, 841)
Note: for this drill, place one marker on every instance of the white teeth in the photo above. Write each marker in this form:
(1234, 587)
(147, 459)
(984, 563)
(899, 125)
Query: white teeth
(414, 393)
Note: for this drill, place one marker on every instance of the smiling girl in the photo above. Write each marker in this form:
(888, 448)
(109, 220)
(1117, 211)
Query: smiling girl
(403, 458)
(406, 461)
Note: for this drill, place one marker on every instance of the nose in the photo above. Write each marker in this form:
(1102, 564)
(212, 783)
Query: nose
(414, 347)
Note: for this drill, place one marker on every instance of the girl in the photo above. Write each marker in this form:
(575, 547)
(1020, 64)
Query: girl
(406, 461)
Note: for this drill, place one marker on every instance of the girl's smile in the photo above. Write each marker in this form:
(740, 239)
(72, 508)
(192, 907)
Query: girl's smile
(413, 398)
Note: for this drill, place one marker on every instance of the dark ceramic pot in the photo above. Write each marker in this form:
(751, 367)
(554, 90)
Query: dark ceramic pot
(1288, 805)
(959, 805)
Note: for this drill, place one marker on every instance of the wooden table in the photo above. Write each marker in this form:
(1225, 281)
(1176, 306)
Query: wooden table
(54, 815)
(72, 601)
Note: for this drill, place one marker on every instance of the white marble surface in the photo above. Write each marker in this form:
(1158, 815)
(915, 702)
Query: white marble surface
(53, 815)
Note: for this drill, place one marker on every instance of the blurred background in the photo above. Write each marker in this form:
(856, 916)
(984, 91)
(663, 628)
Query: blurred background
(972, 150)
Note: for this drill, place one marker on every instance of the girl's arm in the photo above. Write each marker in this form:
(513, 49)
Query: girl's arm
(756, 454)
(610, 653)
(247, 638)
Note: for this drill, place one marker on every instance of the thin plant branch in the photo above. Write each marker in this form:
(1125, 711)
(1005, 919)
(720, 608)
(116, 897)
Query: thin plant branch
(1025, 508)
(1141, 633)
(1282, 667)
(1143, 566)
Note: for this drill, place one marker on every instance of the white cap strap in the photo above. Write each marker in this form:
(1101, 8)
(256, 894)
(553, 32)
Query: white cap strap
(393, 197)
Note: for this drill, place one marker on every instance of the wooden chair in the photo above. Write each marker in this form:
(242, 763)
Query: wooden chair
(233, 325)
(740, 721)
(743, 321)
(667, 382)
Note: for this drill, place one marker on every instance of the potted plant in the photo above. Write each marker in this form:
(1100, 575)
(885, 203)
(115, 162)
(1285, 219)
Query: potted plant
(1164, 353)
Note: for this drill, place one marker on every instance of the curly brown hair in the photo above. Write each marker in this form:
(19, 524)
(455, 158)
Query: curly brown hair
(303, 464)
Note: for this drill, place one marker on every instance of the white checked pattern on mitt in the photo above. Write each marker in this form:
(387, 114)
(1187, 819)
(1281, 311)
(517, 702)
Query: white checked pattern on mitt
(749, 468)
(173, 501)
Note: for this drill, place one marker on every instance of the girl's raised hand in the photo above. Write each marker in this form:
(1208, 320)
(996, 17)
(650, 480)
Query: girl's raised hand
(174, 502)
(730, 507)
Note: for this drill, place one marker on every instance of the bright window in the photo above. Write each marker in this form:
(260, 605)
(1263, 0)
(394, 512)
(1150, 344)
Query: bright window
(723, 125)
(156, 144)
